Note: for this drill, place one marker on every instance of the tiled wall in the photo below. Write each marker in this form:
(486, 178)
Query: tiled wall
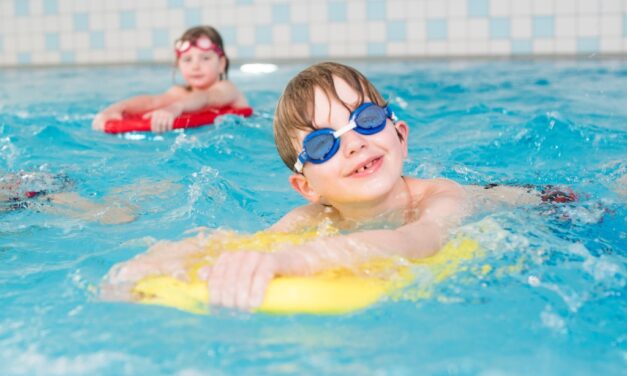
(41, 32)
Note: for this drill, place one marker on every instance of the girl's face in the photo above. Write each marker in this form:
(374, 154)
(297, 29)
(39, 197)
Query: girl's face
(201, 68)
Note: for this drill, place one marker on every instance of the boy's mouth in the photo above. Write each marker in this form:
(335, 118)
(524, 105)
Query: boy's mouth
(367, 168)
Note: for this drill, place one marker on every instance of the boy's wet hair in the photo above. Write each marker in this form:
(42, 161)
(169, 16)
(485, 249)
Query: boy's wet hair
(295, 109)
(196, 32)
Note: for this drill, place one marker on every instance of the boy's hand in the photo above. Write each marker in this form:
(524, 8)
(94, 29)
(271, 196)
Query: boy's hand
(240, 279)
(162, 120)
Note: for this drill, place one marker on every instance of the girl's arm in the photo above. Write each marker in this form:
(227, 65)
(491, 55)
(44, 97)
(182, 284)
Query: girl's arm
(221, 94)
(137, 105)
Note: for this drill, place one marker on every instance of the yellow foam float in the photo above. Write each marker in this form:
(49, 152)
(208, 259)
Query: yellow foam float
(336, 291)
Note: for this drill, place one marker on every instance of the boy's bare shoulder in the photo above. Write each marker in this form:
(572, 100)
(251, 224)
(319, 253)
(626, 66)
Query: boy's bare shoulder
(422, 188)
(303, 217)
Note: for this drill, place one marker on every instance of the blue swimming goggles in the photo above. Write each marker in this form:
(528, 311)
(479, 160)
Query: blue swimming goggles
(321, 145)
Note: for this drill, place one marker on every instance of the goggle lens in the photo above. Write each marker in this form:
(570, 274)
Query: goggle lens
(319, 146)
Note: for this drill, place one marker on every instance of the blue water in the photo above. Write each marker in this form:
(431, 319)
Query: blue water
(552, 304)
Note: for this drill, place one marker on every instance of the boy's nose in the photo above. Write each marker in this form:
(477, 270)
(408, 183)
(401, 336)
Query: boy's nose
(352, 142)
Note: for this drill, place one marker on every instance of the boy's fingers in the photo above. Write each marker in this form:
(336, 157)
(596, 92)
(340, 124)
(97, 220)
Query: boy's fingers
(249, 264)
(215, 281)
(264, 274)
(204, 273)
(232, 279)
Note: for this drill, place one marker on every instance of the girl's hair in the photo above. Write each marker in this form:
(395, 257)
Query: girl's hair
(295, 109)
(196, 32)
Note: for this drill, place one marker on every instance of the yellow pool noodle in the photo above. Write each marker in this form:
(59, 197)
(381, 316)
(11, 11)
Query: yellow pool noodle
(333, 292)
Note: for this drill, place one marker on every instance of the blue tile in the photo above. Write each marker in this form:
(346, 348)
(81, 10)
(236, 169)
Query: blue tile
(228, 34)
(160, 38)
(68, 57)
(543, 27)
(21, 8)
(52, 41)
(397, 31)
(176, 4)
(437, 29)
(300, 33)
(281, 13)
(244, 2)
(81, 22)
(144, 54)
(375, 10)
(337, 11)
(319, 50)
(376, 49)
(193, 17)
(51, 7)
(478, 8)
(587, 44)
(521, 47)
(263, 34)
(24, 58)
(128, 20)
(245, 52)
(97, 40)
(500, 28)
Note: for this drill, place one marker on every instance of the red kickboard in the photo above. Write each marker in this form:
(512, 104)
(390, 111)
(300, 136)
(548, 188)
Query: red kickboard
(135, 123)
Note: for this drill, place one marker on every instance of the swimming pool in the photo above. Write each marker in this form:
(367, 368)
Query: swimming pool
(553, 301)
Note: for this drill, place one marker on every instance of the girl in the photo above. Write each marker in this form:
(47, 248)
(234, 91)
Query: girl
(204, 65)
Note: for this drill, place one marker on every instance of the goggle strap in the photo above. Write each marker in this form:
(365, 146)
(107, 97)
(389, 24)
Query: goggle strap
(344, 129)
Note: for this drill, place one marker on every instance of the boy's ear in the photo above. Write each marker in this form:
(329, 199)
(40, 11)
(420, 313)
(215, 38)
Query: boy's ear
(402, 130)
(301, 185)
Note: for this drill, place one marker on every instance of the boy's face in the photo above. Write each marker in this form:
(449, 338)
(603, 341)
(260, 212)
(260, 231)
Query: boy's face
(365, 168)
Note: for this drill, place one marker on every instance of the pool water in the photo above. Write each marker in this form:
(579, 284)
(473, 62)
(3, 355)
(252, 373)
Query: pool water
(552, 301)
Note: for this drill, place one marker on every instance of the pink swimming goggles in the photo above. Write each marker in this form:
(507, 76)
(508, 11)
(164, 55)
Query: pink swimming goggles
(203, 43)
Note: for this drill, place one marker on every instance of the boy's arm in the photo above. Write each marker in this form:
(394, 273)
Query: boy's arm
(240, 279)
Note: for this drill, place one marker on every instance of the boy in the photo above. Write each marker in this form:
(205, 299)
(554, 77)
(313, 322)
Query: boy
(346, 148)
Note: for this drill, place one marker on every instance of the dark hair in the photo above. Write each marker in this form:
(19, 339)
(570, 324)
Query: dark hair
(196, 32)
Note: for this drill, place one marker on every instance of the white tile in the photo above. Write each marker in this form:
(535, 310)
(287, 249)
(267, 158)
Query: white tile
(262, 15)
(611, 26)
(355, 11)
(418, 48)
(299, 51)
(248, 16)
(521, 8)
(478, 29)
(228, 16)
(319, 33)
(144, 21)
(65, 6)
(65, 23)
(300, 12)
(588, 6)
(264, 52)
(212, 17)
(245, 35)
(112, 20)
(396, 10)
(457, 48)
(337, 49)
(521, 27)
(436, 9)
(97, 21)
(417, 31)
(458, 8)
(357, 49)
(565, 46)
(478, 47)
(565, 26)
(318, 12)
(144, 39)
(565, 7)
(359, 32)
(160, 17)
(81, 41)
(36, 8)
(66, 41)
(10, 46)
(50, 24)
(397, 49)
(611, 6)
(611, 45)
(338, 31)
(377, 31)
(543, 7)
(588, 26)
(417, 10)
(543, 46)
(113, 39)
(437, 48)
(281, 34)
(458, 29)
(500, 47)
(500, 8)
